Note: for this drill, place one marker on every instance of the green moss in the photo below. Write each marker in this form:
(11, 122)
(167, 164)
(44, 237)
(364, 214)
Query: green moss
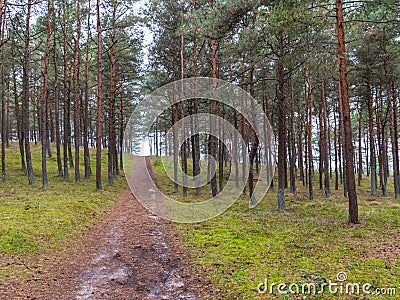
(35, 221)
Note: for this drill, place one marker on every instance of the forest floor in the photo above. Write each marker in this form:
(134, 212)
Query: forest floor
(129, 254)
(70, 242)
(246, 253)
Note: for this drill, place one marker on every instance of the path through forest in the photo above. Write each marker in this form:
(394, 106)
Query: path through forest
(129, 254)
(138, 256)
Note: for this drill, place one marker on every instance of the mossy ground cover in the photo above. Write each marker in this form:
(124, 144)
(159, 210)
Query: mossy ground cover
(311, 242)
(36, 221)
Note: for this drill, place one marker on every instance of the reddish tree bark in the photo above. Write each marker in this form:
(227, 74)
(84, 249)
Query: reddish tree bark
(85, 112)
(348, 145)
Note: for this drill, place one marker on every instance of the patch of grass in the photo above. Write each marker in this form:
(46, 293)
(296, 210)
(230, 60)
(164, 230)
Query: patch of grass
(34, 221)
(311, 242)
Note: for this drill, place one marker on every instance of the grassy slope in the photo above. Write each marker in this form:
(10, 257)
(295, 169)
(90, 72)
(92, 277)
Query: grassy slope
(34, 221)
(310, 242)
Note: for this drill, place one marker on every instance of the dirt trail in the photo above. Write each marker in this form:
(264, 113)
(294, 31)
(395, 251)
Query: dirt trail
(137, 257)
(129, 254)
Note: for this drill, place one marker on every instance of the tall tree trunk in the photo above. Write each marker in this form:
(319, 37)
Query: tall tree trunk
(69, 127)
(254, 138)
(65, 96)
(19, 117)
(76, 96)
(175, 115)
(328, 131)
(335, 145)
(7, 113)
(51, 126)
(392, 118)
(321, 146)
(252, 134)
(44, 100)
(196, 137)
(121, 128)
(183, 146)
(379, 135)
(49, 114)
(36, 111)
(252, 154)
(309, 136)
(213, 111)
(382, 142)
(325, 141)
(235, 154)
(244, 139)
(85, 112)
(348, 145)
(3, 94)
(395, 147)
(99, 98)
(292, 142)
(300, 142)
(281, 128)
(360, 160)
(221, 148)
(25, 96)
(366, 143)
(265, 159)
(111, 118)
